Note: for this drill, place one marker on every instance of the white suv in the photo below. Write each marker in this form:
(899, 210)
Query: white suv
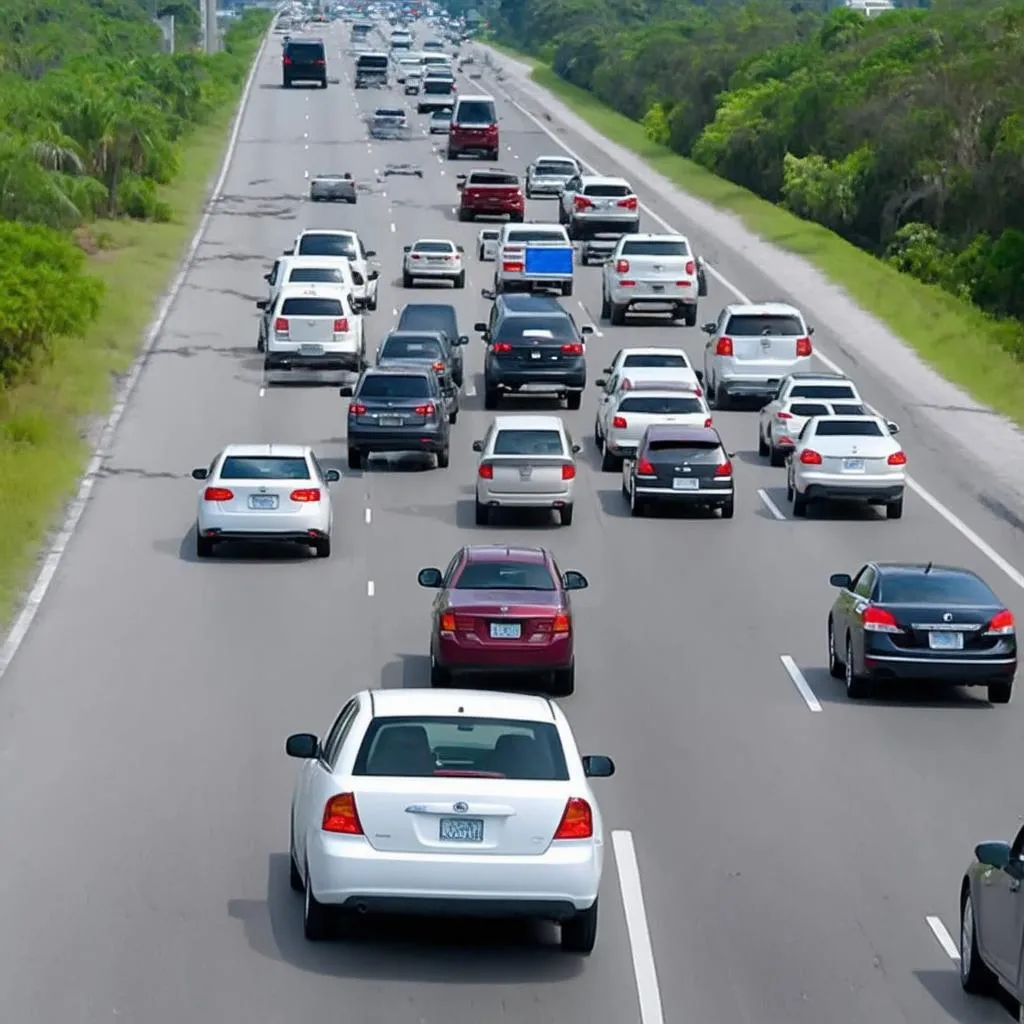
(348, 245)
(651, 272)
(590, 204)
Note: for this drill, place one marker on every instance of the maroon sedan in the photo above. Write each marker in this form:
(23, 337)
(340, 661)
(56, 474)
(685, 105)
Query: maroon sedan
(503, 610)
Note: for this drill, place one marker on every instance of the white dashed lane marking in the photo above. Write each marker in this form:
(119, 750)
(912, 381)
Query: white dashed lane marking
(776, 512)
(369, 588)
(942, 936)
(801, 684)
(368, 517)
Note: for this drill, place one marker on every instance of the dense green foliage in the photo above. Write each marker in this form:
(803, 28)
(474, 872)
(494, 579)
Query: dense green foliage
(904, 133)
(92, 118)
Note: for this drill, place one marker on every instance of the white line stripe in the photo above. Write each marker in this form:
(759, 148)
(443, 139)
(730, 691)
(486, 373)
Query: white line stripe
(470, 391)
(942, 936)
(369, 588)
(644, 969)
(803, 687)
(368, 517)
(770, 505)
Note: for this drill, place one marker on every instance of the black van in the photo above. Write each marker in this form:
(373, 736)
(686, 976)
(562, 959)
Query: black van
(372, 70)
(430, 316)
(304, 60)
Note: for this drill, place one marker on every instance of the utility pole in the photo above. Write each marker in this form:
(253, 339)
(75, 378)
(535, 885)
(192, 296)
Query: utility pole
(208, 18)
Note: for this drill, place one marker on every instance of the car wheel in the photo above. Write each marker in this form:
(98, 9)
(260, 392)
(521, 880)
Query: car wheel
(790, 493)
(453, 417)
(567, 289)
(721, 399)
(894, 510)
(776, 457)
(480, 254)
(443, 457)
(323, 548)
(294, 875)
(565, 515)
(204, 547)
(835, 666)
(799, 504)
(483, 514)
(316, 917)
(491, 398)
(407, 280)
(1000, 693)
(465, 215)
(606, 306)
(762, 445)
(609, 461)
(440, 677)
(975, 975)
(617, 314)
(598, 440)
(579, 933)
(564, 682)
(460, 281)
(729, 509)
(574, 399)
(690, 316)
(355, 458)
(857, 687)
(450, 154)
(371, 304)
(637, 506)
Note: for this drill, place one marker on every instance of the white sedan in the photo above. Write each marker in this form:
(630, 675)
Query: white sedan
(447, 803)
(847, 458)
(433, 259)
(270, 493)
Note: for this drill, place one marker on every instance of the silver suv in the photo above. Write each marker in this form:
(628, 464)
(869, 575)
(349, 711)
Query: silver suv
(750, 348)
(590, 205)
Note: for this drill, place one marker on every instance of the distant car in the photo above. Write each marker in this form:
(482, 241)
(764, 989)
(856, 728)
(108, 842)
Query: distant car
(303, 60)
(526, 462)
(433, 259)
(548, 175)
(590, 203)
(628, 361)
(847, 458)
(503, 610)
(332, 188)
(648, 273)
(474, 129)
(421, 348)
(389, 123)
(447, 803)
(413, 82)
(437, 316)
(801, 396)
(935, 623)
(269, 493)
(490, 193)
(348, 245)
(487, 244)
(440, 121)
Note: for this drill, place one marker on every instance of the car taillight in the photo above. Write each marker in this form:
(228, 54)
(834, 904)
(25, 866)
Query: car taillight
(572, 348)
(725, 469)
(783, 415)
(803, 347)
(627, 384)
(512, 268)
(439, 367)
(577, 820)
(581, 203)
(306, 494)
(644, 468)
(619, 423)
(486, 471)
(568, 472)
(878, 620)
(691, 267)
(518, 194)
(492, 128)
(628, 204)
(501, 346)
(356, 409)
(319, 63)
(341, 326)
(724, 347)
(897, 459)
(341, 816)
(622, 267)
(1002, 624)
(281, 325)
(560, 623)
(448, 622)
(286, 61)
(425, 410)
(414, 255)
(809, 457)
(218, 494)
(709, 422)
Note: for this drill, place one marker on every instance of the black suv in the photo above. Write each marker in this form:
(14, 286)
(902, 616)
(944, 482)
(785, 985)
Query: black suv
(304, 60)
(533, 346)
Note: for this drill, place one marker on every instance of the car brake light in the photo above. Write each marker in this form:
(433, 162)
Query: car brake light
(281, 325)
(319, 63)
(306, 494)
(356, 409)
(341, 816)
(577, 820)
(897, 459)
(724, 347)
(644, 468)
(619, 423)
(627, 384)
(439, 367)
(628, 204)
(725, 469)
(486, 471)
(691, 267)
(218, 494)
(878, 620)
(560, 623)
(341, 326)
(573, 348)
(803, 347)
(581, 203)
(448, 622)
(809, 457)
(783, 415)
(622, 267)
(286, 61)
(709, 422)
(501, 346)
(512, 268)
(1002, 624)
(425, 410)
(414, 255)
(569, 472)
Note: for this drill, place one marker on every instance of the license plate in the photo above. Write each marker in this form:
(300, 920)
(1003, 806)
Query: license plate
(390, 421)
(853, 465)
(535, 355)
(657, 288)
(685, 483)
(946, 641)
(506, 630)
(462, 830)
(311, 350)
(263, 501)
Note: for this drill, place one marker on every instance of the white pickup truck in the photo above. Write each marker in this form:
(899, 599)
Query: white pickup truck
(532, 257)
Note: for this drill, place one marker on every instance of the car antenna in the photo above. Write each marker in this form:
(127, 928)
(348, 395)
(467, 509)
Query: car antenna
(928, 567)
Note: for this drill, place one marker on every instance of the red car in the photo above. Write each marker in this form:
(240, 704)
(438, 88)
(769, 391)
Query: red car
(474, 128)
(491, 193)
(503, 610)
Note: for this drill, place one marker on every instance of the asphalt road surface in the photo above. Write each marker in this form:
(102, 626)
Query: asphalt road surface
(790, 847)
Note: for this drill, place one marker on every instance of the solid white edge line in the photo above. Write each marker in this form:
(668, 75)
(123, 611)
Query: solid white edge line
(369, 588)
(942, 936)
(801, 684)
(1006, 567)
(56, 550)
(644, 970)
(770, 505)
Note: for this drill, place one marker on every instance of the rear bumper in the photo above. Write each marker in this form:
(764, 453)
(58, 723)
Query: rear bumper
(461, 144)
(544, 188)
(749, 387)
(269, 526)
(305, 76)
(646, 295)
(955, 669)
(267, 537)
(497, 657)
(510, 499)
(371, 82)
(493, 209)
(522, 283)
(602, 224)
(574, 379)
(434, 273)
(668, 496)
(329, 361)
(411, 440)
(873, 491)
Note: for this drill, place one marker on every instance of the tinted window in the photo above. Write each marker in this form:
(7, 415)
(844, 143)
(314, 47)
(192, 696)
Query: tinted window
(653, 360)
(426, 319)
(490, 747)
(325, 275)
(491, 178)
(558, 167)
(328, 245)
(383, 112)
(608, 191)
(505, 576)
(848, 428)
(305, 53)
(939, 587)
(412, 348)
(312, 307)
(477, 112)
(438, 86)
(442, 115)
(366, 63)
(849, 410)
(535, 235)
(748, 325)
(259, 467)
(528, 442)
(655, 406)
(405, 386)
(697, 452)
(808, 409)
(824, 392)
(514, 328)
(445, 247)
(655, 247)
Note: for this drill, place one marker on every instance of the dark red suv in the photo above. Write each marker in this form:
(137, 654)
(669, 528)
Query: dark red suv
(474, 128)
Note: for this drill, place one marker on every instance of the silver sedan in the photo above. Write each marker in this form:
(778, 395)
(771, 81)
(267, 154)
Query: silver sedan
(332, 188)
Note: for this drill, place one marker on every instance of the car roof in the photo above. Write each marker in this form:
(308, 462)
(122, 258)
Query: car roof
(682, 432)
(522, 303)
(412, 370)
(492, 170)
(413, 333)
(427, 305)
(340, 175)
(556, 158)
(918, 568)
(764, 309)
(526, 422)
(654, 350)
(271, 450)
(328, 231)
(312, 289)
(476, 96)
(478, 703)
(434, 241)
(862, 417)
(823, 376)
(504, 553)
(668, 386)
(661, 236)
(603, 179)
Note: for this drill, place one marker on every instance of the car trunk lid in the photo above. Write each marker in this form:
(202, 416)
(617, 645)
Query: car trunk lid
(528, 474)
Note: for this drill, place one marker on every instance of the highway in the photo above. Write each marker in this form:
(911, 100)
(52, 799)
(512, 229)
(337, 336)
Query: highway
(790, 848)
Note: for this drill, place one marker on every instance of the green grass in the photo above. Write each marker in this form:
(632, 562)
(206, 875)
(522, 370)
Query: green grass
(958, 340)
(47, 425)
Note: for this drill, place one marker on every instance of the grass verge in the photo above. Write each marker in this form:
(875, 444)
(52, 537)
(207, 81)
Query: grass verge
(45, 422)
(960, 342)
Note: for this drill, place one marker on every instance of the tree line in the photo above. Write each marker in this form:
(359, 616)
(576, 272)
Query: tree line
(904, 132)
(92, 119)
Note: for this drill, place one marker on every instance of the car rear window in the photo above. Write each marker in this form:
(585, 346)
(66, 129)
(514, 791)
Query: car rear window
(505, 576)
(264, 467)
(476, 112)
(654, 361)
(380, 385)
(433, 247)
(824, 392)
(945, 588)
(528, 442)
(515, 328)
(555, 167)
(312, 307)
(607, 191)
(808, 409)
(372, 63)
(305, 53)
(848, 428)
(655, 247)
(654, 406)
(328, 245)
(535, 235)
(313, 275)
(700, 452)
(849, 410)
(748, 325)
(438, 86)
(385, 112)
(426, 318)
(412, 348)
(424, 747)
(492, 178)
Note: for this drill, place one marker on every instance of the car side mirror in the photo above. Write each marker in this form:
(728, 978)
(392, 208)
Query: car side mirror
(373, 275)
(598, 766)
(488, 294)
(810, 330)
(600, 383)
(480, 327)
(406, 248)
(607, 369)
(577, 448)
(371, 252)
(573, 580)
(430, 578)
(459, 248)
(460, 185)
(332, 476)
(700, 376)
(894, 428)
(730, 455)
(267, 277)
(841, 580)
(200, 474)
(709, 327)
(478, 446)
(463, 339)
(262, 303)
(288, 252)
(993, 854)
(303, 745)
(587, 329)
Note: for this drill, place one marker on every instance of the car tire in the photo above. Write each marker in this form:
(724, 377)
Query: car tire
(598, 439)
(799, 504)
(609, 461)
(483, 514)
(776, 457)
(450, 154)
(975, 975)
(1000, 693)
(894, 509)
(351, 200)
(606, 306)
(637, 506)
(617, 314)
(316, 917)
(493, 155)
(371, 304)
(295, 881)
(574, 399)
(407, 280)
(722, 402)
(516, 218)
(443, 458)
(836, 669)
(762, 445)
(480, 254)
(453, 417)
(323, 548)
(465, 216)
(565, 515)
(204, 547)
(567, 289)
(460, 281)
(857, 687)
(355, 458)
(690, 316)
(729, 509)
(491, 398)
(579, 933)
(440, 677)
(563, 683)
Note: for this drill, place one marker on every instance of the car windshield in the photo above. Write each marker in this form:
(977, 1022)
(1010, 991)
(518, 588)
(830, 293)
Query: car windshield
(849, 428)
(312, 307)
(655, 406)
(476, 112)
(328, 245)
(750, 325)
(655, 247)
(559, 168)
(441, 115)
(505, 576)
(699, 452)
(264, 467)
(312, 275)
(515, 328)
(823, 392)
(656, 360)
(939, 587)
(380, 385)
(528, 442)
(808, 409)
(422, 746)
(412, 348)
(535, 235)
(445, 247)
